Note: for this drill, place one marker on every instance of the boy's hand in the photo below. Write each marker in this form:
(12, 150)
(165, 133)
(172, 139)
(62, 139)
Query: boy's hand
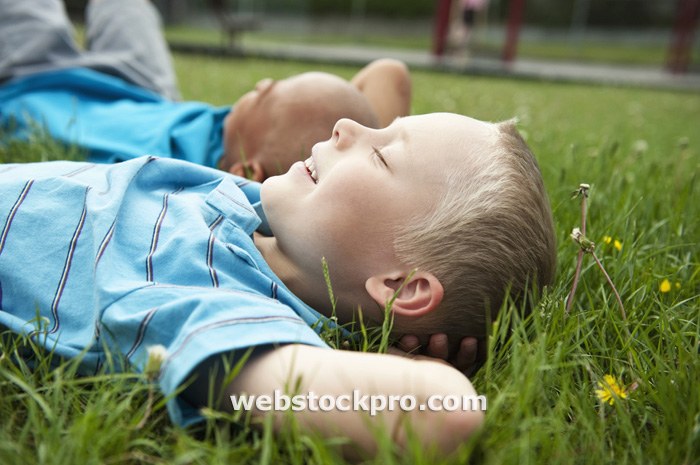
(468, 359)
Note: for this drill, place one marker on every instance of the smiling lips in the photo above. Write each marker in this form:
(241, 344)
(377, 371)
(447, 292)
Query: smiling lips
(311, 168)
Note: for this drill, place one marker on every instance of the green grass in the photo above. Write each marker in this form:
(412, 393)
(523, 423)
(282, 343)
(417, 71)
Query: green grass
(640, 151)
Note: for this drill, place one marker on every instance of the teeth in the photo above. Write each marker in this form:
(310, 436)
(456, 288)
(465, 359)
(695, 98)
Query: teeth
(311, 167)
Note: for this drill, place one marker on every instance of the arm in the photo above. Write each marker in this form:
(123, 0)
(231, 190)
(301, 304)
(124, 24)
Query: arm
(337, 373)
(386, 83)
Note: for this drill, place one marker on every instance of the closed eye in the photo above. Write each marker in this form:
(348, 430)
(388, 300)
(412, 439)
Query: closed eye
(378, 154)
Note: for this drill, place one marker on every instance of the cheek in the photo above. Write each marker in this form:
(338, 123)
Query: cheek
(357, 210)
(350, 197)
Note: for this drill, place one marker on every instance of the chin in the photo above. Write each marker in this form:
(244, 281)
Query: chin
(271, 190)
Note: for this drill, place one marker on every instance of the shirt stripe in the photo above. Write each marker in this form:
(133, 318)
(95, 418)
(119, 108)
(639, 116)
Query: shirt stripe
(104, 243)
(219, 324)
(78, 171)
(210, 251)
(156, 234)
(154, 239)
(234, 201)
(210, 261)
(141, 332)
(11, 167)
(216, 222)
(10, 217)
(67, 265)
(13, 211)
(109, 178)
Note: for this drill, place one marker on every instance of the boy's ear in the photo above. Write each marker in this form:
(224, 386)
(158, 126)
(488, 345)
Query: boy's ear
(250, 170)
(418, 296)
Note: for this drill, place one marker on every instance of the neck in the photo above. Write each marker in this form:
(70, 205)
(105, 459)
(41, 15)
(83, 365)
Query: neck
(312, 289)
(292, 277)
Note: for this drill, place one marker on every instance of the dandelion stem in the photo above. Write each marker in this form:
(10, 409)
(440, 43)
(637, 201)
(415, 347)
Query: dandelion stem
(583, 214)
(570, 300)
(149, 407)
(619, 301)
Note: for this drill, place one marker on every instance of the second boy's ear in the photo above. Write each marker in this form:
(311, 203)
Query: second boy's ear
(417, 296)
(250, 170)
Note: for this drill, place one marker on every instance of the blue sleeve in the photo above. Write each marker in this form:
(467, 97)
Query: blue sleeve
(194, 324)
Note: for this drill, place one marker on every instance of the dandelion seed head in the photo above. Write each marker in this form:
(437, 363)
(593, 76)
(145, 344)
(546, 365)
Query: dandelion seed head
(156, 356)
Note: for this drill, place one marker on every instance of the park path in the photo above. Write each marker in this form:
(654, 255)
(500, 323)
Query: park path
(562, 71)
(645, 76)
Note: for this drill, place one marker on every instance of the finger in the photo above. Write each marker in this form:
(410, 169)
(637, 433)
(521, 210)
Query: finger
(430, 359)
(438, 347)
(409, 343)
(395, 351)
(482, 350)
(482, 353)
(466, 355)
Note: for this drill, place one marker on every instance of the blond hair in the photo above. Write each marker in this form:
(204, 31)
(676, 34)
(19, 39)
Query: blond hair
(490, 232)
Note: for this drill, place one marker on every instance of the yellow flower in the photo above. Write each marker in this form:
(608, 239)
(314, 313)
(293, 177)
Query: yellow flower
(678, 285)
(616, 243)
(610, 390)
(665, 286)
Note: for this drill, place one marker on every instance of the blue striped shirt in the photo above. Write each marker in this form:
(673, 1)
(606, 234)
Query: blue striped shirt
(117, 258)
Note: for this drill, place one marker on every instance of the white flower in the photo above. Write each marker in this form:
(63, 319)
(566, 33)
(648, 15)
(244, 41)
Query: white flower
(156, 356)
(576, 234)
(586, 244)
(640, 146)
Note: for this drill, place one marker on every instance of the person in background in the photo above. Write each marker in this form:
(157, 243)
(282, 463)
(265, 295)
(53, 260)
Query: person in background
(118, 99)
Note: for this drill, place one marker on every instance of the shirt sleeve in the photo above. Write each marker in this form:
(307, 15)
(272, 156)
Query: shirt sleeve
(193, 324)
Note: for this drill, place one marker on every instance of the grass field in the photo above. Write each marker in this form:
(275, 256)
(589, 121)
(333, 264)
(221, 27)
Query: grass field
(640, 152)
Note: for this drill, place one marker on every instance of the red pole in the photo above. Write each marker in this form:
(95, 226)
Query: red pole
(442, 23)
(515, 18)
(679, 51)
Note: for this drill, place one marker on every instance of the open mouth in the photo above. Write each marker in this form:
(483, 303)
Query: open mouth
(311, 168)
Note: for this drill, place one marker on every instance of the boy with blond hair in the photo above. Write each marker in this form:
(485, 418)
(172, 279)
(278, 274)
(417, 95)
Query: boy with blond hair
(439, 213)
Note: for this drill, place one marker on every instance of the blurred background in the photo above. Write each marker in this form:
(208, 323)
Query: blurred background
(648, 42)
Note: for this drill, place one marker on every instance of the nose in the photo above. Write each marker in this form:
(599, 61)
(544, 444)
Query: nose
(346, 132)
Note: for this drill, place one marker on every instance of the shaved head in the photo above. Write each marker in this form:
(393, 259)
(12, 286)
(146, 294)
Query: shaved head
(277, 123)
